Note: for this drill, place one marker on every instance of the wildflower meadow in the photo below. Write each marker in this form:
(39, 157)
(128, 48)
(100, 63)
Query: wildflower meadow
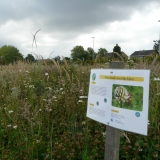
(43, 113)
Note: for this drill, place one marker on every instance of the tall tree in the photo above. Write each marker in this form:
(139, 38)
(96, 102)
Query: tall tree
(10, 54)
(30, 58)
(78, 52)
(91, 53)
(102, 52)
(117, 49)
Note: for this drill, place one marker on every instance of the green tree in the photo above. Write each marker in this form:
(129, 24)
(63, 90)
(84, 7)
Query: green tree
(30, 58)
(78, 52)
(102, 52)
(156, 46)
(57, 58)
(67, 58)
(90, 52)
(117, 49)
(10, 54)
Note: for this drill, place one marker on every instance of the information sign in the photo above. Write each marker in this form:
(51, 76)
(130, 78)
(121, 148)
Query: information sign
(119, 98)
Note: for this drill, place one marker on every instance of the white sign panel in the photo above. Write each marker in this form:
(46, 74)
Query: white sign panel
(119, 98)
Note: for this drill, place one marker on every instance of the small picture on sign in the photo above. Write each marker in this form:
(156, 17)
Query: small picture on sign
(127, 97)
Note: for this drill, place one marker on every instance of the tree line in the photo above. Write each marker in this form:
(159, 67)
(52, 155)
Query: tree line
(79, 53)
(10, 54)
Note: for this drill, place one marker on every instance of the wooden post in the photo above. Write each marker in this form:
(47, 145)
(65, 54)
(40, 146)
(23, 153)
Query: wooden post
(113, 134)
(117, 65)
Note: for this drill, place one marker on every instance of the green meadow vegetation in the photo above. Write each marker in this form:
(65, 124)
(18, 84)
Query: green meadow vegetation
(43, 113)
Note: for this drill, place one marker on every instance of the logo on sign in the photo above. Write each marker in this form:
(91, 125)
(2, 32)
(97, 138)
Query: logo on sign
(137, 114)
(93, 76)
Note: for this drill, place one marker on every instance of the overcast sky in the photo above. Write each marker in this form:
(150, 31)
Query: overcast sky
(64, 24)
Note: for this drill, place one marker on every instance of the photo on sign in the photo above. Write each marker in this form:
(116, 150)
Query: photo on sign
(127, 97)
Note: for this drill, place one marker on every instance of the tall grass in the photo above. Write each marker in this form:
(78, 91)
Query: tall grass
(43, 115)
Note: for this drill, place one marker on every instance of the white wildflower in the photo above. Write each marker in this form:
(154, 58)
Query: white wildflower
(31, 86)
(83, 97)
(156, 79)
(80, 101)
(50, 88)
(50, 110)
(10, 111)
(46, 74)
(38, 141)
(9, 125)
(15, 127)
(61, 89)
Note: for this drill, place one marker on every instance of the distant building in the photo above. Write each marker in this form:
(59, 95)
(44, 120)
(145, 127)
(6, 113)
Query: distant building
(110, 54)
(141, 54)
(124, 55)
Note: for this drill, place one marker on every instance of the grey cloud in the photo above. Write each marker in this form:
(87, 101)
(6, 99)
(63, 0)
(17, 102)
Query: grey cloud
(70, 15)
(64, 20)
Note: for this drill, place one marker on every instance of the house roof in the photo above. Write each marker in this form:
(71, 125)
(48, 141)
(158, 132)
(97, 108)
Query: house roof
(124, 55)
(109, 54)
(142, 53)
